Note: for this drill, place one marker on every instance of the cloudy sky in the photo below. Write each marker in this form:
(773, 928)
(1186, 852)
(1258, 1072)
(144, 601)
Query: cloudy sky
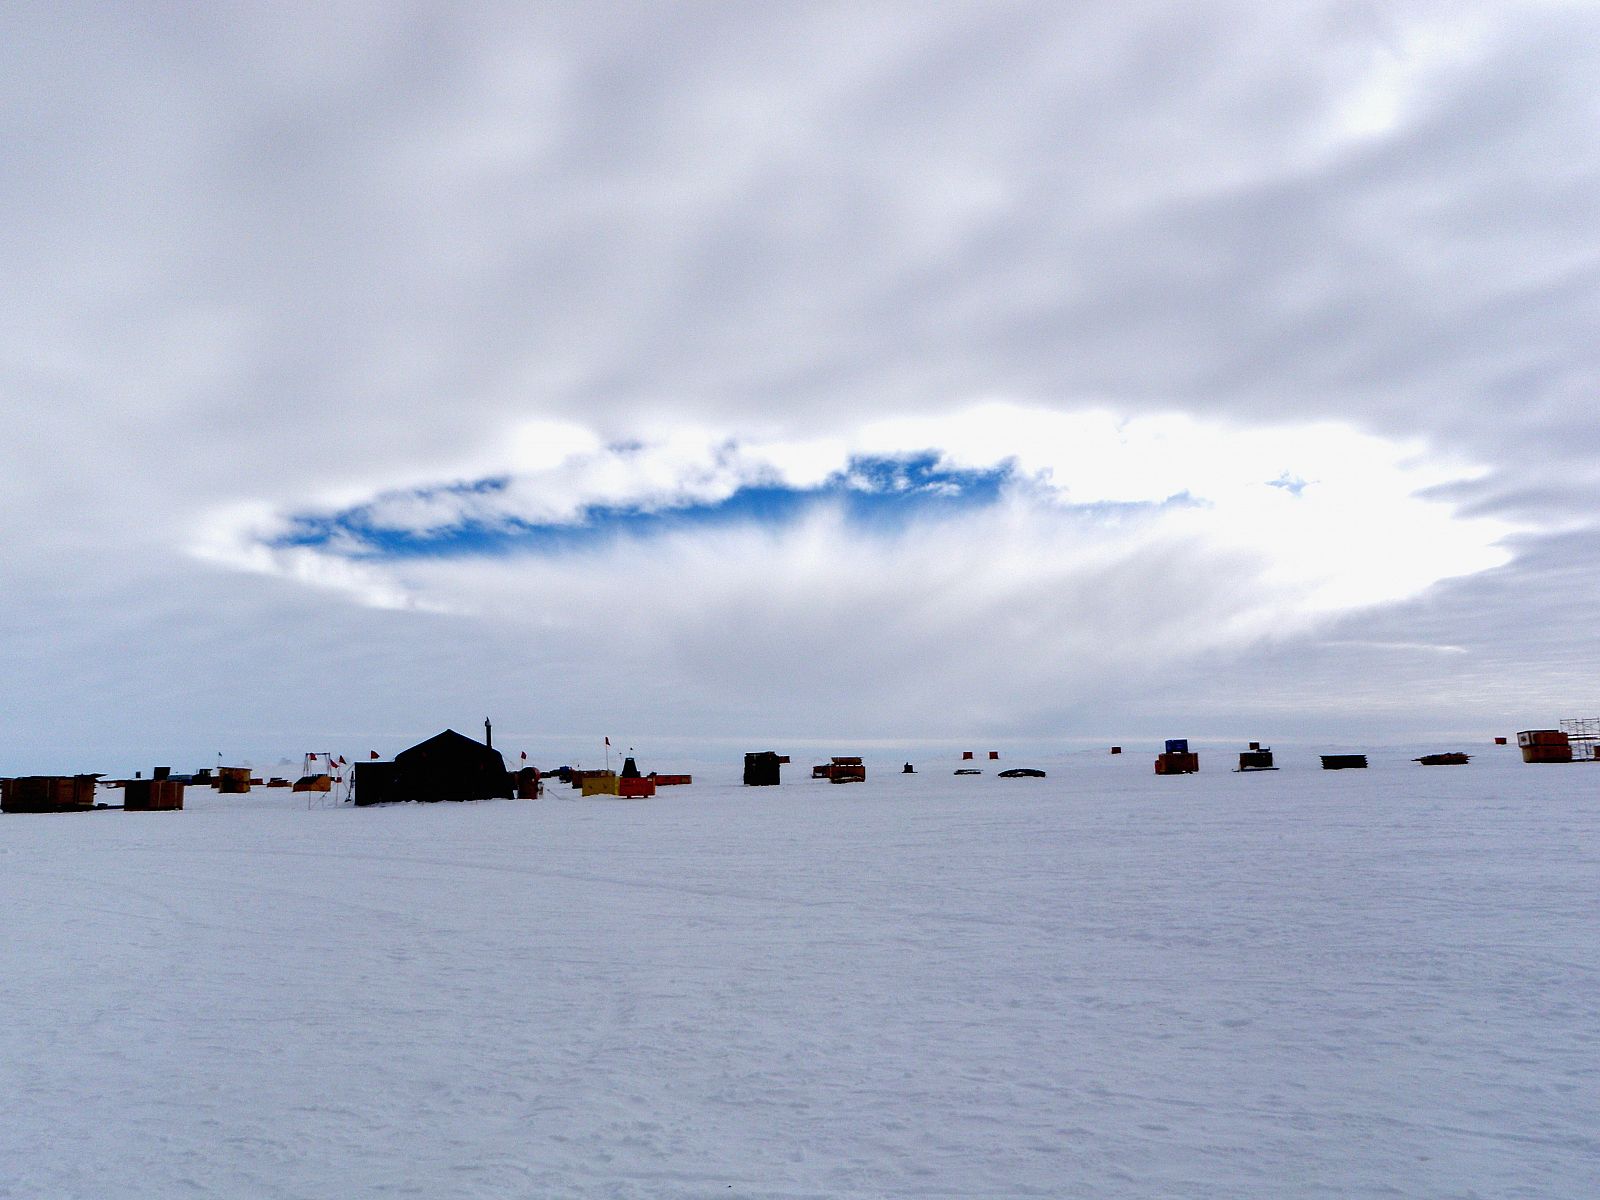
(709, 373)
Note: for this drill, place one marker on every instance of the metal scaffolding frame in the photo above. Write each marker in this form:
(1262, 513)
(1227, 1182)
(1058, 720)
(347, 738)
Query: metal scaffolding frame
(1584, 734)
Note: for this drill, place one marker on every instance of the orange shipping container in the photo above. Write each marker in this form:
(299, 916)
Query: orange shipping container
(1541, 737)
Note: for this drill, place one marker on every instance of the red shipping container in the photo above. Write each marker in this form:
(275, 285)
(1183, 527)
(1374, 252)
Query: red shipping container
(1177, 763)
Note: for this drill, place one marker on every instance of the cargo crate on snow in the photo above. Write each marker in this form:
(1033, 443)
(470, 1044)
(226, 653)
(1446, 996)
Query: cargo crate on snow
(47, 793)
(233, 781)
(847, 770)
(1343, 762)
(152, 795)
(761, 769)
(599, 783)
(1545, 746)
(1177, 762)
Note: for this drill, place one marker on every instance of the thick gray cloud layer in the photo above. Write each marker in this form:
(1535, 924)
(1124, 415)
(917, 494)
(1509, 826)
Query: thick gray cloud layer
(282, 258)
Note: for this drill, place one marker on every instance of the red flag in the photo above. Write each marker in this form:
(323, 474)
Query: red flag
(524, 756)
(342, 763)
(374, 754)
(608, 741)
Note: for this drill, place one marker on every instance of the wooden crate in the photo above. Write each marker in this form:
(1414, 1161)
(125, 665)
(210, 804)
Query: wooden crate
(233, 781)
(152, 795)
(47, 793)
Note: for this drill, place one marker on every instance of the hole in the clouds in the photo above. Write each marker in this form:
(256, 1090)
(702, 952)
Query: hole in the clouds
(465, 519)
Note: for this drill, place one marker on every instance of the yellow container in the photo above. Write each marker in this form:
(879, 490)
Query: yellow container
(603, 784)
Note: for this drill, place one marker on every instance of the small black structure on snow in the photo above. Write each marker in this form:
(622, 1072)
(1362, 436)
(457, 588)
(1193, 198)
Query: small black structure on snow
(761, 769)
(1022, 773)
(448, 766)
(1257, 758)
(1344, 762)
(908, 769)
(630, 769)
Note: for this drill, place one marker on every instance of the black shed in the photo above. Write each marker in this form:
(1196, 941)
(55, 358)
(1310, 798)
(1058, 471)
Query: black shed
(448, 766)
(761, 768)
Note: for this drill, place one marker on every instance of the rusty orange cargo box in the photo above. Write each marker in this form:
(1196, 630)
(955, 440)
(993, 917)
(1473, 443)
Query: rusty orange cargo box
(847, 770)
(1177, 762)
(1542, 737)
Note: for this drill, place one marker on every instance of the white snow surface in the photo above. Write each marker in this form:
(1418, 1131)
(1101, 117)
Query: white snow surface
(1104, 983)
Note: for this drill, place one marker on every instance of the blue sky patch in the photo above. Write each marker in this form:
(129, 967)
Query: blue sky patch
(882, 494)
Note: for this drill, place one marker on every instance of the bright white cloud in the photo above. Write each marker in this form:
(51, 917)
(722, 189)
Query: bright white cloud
(1395, 71)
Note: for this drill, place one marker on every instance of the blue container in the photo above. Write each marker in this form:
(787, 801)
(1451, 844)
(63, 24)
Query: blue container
(1177, 745)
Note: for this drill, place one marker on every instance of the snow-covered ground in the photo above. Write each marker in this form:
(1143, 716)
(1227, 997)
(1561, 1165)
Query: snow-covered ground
(1305, 983)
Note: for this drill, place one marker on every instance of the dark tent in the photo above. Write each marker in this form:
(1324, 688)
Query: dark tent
(448, 766)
